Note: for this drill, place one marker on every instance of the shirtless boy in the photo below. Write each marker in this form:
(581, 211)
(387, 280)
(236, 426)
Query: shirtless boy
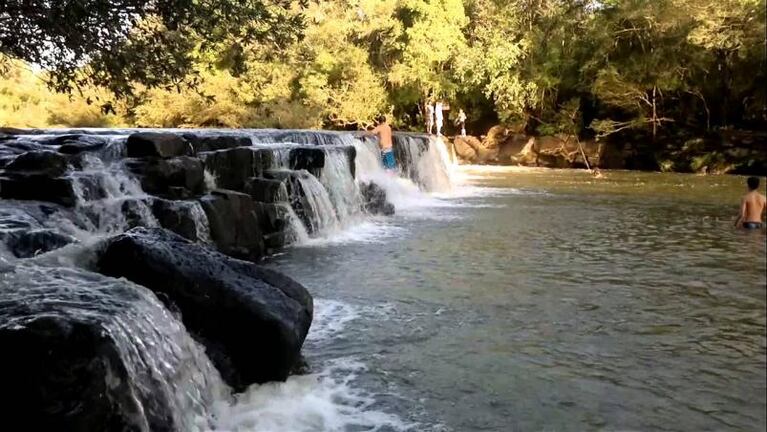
(752, 207)
(383, 131)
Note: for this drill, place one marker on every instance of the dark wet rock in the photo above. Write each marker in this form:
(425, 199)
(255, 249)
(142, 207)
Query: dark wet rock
(252, 321)
(174, 178)
(276, 240)
(234, 227)
(296, 194)
(215, 143)
(25, 244)
(181, 217)
(38, 188)
(76, 144)
(311, 159)
(84, 352)
(136, 211)
(234, 167)
(375, 201)
(42, 163)
(152, 144)
(266, 190)
(271, 217)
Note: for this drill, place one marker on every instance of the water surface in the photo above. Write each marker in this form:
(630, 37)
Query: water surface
(540, 300)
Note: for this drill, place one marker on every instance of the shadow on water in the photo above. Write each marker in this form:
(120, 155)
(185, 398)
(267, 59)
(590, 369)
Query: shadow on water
(546, 300)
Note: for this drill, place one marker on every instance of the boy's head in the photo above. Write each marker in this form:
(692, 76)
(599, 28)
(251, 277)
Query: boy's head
(381, 119)
(753, 183)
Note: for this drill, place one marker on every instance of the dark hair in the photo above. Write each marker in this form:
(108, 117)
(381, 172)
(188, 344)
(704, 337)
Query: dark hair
(753, 183)
(381, 118)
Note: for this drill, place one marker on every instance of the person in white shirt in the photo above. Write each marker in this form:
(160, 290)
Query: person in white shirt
(438, 117)
(429, 117)
(462, 122)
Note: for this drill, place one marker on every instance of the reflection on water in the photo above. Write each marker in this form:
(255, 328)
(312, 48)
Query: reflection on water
(553, 301)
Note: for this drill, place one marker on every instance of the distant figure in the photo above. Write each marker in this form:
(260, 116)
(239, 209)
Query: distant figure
(597, 174)
(429, 117)
(438, 117)
(752, 207)
(383, 131)
(462, 122)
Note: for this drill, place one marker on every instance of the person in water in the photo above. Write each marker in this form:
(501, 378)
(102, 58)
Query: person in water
(752, 207)
(383, 131)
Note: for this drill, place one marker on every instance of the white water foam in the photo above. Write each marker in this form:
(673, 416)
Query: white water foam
(326, 401)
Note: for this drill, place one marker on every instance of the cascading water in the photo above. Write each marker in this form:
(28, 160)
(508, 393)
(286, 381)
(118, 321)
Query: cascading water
(151, 359)
(110, 197)
(342, 188)
(319, 202)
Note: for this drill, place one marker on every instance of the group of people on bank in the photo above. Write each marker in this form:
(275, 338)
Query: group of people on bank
(434, 116)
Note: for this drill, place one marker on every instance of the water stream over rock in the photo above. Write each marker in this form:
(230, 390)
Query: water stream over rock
(69, 194)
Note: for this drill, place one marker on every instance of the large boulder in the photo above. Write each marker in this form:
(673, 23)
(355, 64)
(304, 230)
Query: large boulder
(59, 190)
(153, 144)
(175, 178)
(464, 148)
(512, 145)
(234, 167)
(375, 201)
(234, 225)
(36, 175)
(252, 321)
(84, 352)
(40, 163)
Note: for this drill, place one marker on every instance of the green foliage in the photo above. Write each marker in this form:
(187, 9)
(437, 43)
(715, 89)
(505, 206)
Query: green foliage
(129, 42)
(654, 68)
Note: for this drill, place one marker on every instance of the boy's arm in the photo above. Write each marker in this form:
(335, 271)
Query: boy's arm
(371, 132)
(742, 212)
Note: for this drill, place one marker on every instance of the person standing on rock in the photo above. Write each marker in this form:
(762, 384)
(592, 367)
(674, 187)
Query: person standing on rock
(383, 131)
(462, 122)
(438, 117)
(429, 117)
(752, 207)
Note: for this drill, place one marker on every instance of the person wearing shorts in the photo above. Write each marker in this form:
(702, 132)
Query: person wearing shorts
(384, 134)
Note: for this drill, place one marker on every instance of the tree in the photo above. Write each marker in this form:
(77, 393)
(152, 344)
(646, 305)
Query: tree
(118, 44)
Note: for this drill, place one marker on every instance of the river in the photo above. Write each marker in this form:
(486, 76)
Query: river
(532, 300)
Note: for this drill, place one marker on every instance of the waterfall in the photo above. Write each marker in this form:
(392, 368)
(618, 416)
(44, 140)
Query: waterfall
(319, 209)
(161, 358)
(110, 198)
(342, 188)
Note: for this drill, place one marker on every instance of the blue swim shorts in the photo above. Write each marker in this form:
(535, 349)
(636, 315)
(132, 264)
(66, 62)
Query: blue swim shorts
(387, 157)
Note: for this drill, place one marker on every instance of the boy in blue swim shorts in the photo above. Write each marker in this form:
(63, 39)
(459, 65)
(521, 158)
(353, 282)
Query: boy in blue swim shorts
(383, 131)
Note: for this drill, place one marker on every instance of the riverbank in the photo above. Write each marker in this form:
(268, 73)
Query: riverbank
(727, 152)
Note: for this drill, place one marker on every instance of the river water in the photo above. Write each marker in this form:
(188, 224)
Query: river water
(532, 300)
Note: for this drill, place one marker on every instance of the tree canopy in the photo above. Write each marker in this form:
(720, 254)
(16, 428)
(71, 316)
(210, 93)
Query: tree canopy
(596, 68)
